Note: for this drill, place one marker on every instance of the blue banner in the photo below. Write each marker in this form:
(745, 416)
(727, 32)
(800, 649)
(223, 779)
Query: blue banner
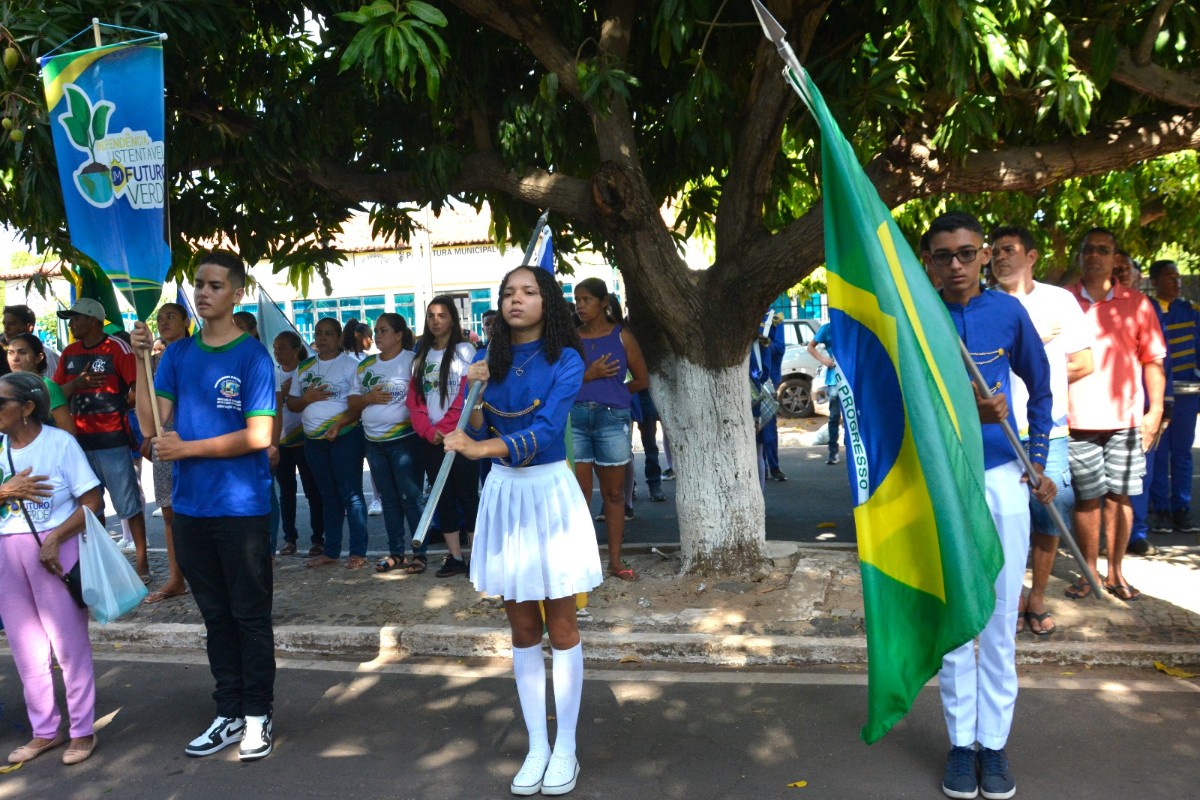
(107, 116)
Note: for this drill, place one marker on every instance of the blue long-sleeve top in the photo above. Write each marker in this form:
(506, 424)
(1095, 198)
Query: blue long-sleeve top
(530, 410)
(1180, 322)
(1001, 337)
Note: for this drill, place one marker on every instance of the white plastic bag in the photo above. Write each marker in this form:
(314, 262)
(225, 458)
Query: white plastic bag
(111, 588)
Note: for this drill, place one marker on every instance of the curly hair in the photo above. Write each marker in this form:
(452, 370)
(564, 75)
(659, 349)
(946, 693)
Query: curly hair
(558, 330)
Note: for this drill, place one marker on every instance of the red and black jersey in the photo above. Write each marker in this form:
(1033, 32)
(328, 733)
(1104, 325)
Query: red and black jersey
(99, 413)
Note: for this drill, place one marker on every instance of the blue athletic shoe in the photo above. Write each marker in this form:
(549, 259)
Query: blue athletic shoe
(961, 779)
(995, 781)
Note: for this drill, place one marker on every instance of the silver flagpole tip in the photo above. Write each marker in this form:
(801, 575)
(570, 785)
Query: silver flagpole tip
(771, 26)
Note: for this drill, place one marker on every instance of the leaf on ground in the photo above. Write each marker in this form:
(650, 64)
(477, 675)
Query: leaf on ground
(798, 785)
(1174, 672)
(1068, 674)
(630, 660)
(827, 525)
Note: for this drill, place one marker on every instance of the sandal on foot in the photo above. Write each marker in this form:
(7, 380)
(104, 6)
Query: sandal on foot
(355, 562)
(1123, 591)
(321, 561)
(625, 573)
(288, 549)
(1040, 629)
(1079, 589)
(316, 550)
(417, 565)
(390, 563)
(160, 595)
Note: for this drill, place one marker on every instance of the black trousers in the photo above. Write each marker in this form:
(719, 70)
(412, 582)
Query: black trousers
(227, 563)
(460, 496)
(292, 459)
(649, 444)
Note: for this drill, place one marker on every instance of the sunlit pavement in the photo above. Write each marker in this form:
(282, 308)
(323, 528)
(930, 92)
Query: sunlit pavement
(451, 729)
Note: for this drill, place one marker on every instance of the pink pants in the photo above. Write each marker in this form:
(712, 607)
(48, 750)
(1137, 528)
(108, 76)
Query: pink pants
(42, 621)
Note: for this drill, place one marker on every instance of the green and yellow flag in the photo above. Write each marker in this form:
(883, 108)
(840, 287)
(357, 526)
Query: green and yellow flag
(929, 550)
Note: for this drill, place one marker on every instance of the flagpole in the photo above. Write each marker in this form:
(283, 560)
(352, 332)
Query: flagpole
(96, 30)
(439, 483)
(1034, 479)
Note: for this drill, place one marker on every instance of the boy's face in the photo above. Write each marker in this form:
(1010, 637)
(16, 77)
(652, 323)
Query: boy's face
(215, 294)
(956, 257)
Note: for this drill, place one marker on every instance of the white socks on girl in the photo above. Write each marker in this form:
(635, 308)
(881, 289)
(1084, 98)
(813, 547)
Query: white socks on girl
(550, 774)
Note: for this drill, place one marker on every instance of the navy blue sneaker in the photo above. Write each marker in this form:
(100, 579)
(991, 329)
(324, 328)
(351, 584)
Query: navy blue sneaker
(995, 781)
(961, 780)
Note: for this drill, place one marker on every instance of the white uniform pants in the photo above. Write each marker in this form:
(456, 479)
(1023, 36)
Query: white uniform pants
(978, 695)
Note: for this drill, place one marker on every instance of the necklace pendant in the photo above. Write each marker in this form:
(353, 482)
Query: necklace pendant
(519, 371)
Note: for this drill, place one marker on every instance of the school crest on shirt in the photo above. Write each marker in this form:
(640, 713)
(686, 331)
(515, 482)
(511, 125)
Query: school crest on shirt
(229, 392)
(38, 512)
(431, 380)
(398, 389)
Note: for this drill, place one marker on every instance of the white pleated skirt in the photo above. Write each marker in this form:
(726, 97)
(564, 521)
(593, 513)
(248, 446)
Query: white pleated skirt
(534, 538)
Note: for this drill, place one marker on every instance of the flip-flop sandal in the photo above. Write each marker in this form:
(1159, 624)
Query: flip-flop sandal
(1040, 619)
(158, 597)
(625, 574)
(416, 566)
(1079, 590)
(1123, 592)
(389, 563)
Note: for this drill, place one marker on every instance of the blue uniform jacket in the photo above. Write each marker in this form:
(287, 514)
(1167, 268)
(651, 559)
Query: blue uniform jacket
(1179, 321)
(1000, 336)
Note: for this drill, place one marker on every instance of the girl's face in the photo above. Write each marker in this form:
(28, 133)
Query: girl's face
(521, 303)
(365, 341)
(589, 307)
(438, 320)
(172, 325)
(390, 340)
(326, 339)
(287, 355)
(21, 357)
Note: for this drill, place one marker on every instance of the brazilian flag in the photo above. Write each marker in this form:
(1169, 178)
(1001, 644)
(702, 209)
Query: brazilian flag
(929, 550)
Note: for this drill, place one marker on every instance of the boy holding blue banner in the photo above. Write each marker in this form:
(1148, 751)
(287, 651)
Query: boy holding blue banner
(219, 385)
(978, 696)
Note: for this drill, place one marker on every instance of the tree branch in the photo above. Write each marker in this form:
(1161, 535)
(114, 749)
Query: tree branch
(571, 197)
(769, 102)
(1170, 86)
(1146, 48)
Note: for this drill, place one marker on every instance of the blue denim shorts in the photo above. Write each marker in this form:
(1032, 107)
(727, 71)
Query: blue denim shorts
(1058, 469)
(600, 434)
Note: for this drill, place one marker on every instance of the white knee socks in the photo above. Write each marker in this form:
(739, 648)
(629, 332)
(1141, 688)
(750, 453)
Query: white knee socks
(529, 668)
(568, 690)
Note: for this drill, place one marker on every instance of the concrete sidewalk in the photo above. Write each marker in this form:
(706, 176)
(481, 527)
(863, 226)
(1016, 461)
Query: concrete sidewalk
(808, 610)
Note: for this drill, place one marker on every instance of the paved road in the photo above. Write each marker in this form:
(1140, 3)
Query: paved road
(814, 494)
(439, 729)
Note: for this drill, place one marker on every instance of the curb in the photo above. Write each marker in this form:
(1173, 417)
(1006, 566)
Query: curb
(602, 646)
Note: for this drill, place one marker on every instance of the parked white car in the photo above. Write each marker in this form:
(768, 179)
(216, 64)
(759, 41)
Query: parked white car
(800, 370)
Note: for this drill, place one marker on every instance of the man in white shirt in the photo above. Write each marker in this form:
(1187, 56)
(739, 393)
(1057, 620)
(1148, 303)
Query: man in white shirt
(1062, 326)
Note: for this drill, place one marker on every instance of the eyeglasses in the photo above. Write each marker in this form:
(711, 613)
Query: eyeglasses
(1098, 249)
(964, 256)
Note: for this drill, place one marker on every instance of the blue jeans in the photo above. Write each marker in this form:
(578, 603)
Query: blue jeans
(648, 427)
(835, 420)
(396, 468)
(338, 468)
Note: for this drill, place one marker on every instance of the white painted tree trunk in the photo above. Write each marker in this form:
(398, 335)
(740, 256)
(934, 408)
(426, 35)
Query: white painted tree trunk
(706, 413)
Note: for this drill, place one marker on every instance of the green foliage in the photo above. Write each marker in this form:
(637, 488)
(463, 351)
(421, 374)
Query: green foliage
(286, 116)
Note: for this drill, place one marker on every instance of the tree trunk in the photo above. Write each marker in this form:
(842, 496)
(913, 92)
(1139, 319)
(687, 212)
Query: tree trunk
(706, 413)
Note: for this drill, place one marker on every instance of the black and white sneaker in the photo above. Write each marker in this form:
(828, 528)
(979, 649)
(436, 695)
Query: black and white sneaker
(257, 742)
(223, 732)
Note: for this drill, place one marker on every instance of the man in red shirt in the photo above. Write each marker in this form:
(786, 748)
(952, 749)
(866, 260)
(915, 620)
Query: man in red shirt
(1109, 431)
(96, 372)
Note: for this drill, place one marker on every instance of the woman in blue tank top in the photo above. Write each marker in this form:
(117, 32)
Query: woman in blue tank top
(600, 419)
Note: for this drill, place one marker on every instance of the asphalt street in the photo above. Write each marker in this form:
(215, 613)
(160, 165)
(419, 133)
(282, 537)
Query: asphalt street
(451, 729)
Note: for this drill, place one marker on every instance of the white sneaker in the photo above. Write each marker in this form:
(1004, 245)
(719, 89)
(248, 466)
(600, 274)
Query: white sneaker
(375, 509)
(157, 512)
(561, 774)
(257, 741)
(529, 780)
(128, 547)
(223, 732)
